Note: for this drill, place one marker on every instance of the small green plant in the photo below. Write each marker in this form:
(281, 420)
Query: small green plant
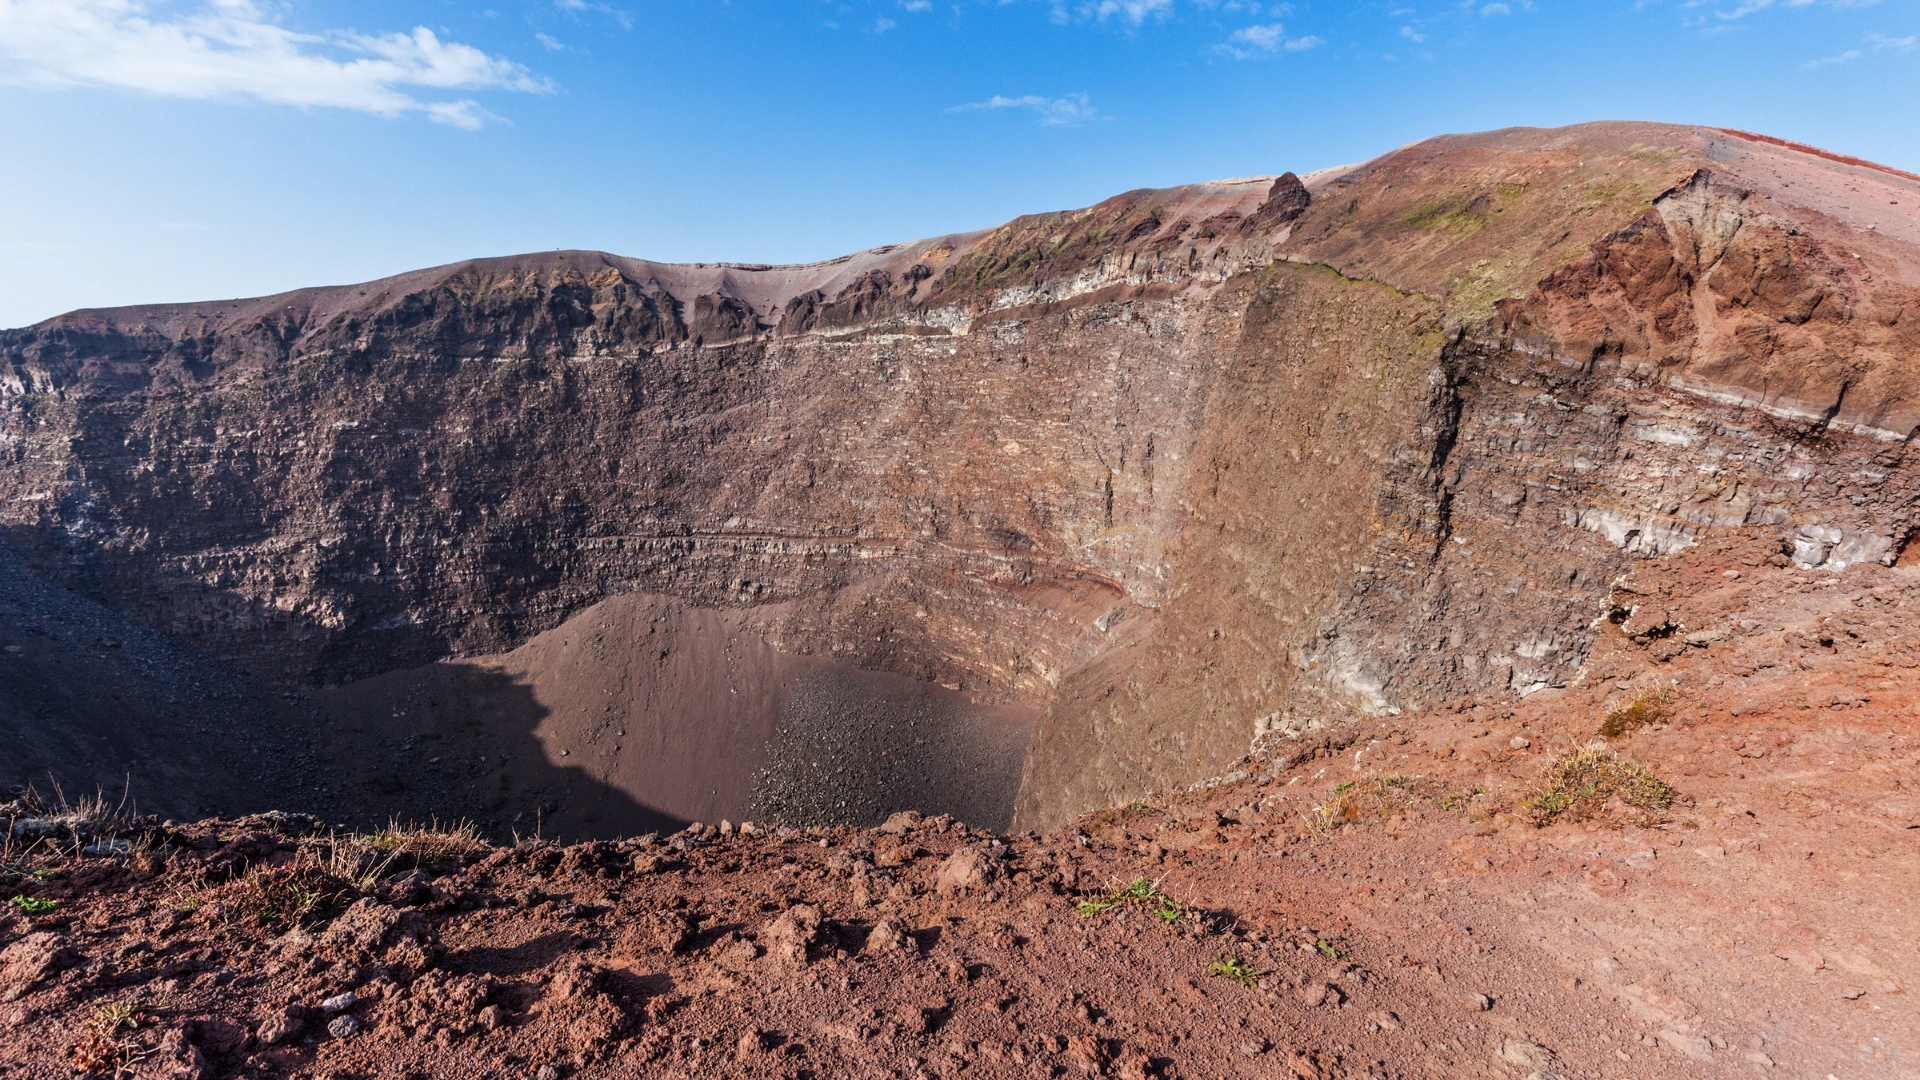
(1144, 896)
(1329, 950)
(108, 1047)
(1232, 967)
(1579, 783)
(1140, 893)
(33, 905)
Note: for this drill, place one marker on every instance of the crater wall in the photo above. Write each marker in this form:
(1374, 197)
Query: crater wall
(1169, 475)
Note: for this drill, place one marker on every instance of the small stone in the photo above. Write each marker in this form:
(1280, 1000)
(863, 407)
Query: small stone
(1853, 993)
(281, 1027)
(1387, 1021)
(493, 1018)
(1314, 994)
(904, 821)
(965, 870)
(790, 936)
(1519, 742)
(344, 1027)
(1478, 1003)
(751, 1043)
(1254, 1047)
(339, 1003)
(885, 937)
(1692, 1046)
(726, 827)
(1760, 1059)
(549, 1071)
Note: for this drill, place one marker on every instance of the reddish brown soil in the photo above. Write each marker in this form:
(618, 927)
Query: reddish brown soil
(1760, 926)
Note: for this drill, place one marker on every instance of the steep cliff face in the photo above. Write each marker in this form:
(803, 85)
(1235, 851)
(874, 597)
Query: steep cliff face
(1180, 471)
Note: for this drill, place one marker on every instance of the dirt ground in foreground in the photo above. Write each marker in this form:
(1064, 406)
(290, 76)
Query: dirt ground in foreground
(1370, 900)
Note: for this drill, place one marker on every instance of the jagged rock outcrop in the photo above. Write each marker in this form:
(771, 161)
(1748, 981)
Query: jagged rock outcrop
(1184, 469)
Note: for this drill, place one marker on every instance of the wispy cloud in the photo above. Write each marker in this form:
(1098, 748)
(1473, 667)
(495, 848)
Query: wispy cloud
(1066, 111)
(1748, 7)
(1255, 42)
(595, 7)
(1876, 42)
(550, 42)
(232, 49)
(1130, 11)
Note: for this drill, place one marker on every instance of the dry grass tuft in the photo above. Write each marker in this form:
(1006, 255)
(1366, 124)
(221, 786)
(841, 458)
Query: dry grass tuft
(430, 843)
(356, 861)
(1579, 784)
(1355, 799)
(1644, 709)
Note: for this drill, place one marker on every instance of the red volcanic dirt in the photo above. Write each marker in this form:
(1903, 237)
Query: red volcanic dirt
(1386, 888)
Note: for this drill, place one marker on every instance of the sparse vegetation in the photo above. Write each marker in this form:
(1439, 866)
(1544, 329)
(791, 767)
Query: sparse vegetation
(1140, 893)
(32, 905)
(278, 897)
(107, 1046)
(1579, 783)
(1145, 896)
(1354, 799)
(1646, 708)
(1232, 967)
(1330, 950)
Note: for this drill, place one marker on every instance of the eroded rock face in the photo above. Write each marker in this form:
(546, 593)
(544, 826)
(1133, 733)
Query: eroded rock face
(1183, 470)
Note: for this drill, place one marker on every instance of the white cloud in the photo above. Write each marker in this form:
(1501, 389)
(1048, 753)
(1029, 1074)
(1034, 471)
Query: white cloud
(231, 49)
(1847, 57)
(1495, 9)
(1257, 41)
(1261, 37)
(917, 5)
(1053, 112)
(1881, 41)
(1411, 34)
(883, 24)
(551, 42)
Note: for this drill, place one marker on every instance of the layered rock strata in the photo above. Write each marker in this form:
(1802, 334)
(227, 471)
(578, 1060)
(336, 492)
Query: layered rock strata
(1183, 470)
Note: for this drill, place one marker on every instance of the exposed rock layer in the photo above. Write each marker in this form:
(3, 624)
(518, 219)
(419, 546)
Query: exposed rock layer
(1183, 470)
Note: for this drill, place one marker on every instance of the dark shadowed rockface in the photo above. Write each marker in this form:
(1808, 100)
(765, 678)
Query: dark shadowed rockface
(1173, 474)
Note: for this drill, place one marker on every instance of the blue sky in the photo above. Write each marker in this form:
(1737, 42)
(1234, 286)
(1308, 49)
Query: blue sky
(163, 150)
